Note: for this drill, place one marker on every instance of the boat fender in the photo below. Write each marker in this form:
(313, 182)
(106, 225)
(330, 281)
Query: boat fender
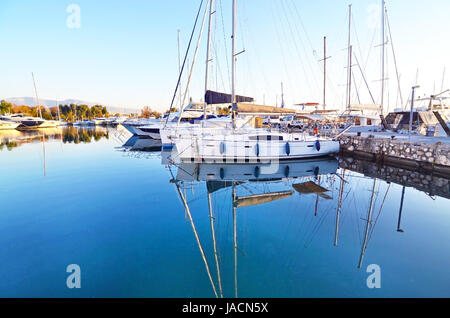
(316, 171)
(288, 149)
(223, 147)
(286, 171)
(318, 145)
(257, 172)
(222, 173)
(257, 150)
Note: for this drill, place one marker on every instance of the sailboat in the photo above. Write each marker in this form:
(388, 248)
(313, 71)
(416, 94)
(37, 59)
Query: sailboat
(221, 176)
(250, 143)
(45, 123)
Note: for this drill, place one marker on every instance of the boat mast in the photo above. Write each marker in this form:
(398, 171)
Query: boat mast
(57, 107)
(179, 69)
(324, 71)
(338, 214)
(235, 241)
(399, 229)
(208, 47)
(325, 58)
(349, 56)
(188, 211)
(369, 221)
(213, 233)
(37, 98)
(233, 61)
(383, 43)
(350, 78)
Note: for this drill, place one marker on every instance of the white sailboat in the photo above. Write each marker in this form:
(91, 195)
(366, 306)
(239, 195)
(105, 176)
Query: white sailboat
(250, 143)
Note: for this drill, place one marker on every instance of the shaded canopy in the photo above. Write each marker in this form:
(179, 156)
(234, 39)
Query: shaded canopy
(212, 98)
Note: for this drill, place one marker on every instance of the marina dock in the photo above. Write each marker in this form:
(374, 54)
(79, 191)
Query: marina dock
(429, 154)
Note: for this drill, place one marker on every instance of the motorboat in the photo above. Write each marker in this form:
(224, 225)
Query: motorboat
(132, 123)
(23, 121)
(8, 125)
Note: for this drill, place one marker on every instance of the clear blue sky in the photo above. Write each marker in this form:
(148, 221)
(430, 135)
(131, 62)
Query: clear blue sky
(125, 53)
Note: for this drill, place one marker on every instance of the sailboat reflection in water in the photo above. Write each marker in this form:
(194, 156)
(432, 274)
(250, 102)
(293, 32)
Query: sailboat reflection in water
(301, 176)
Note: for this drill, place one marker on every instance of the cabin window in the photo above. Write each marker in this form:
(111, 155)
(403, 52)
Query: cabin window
(266, 137)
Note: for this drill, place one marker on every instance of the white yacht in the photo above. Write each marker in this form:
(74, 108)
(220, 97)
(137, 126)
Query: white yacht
(132, 124)
(186, 118)
(51, 124)
(218, 125)
(8, 125)
(84, 123)
(23, 121)
(99, 121)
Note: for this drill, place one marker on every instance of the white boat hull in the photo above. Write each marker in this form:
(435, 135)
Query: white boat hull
(246, 150)
(152, 132)
(5, 125)
(245, 172)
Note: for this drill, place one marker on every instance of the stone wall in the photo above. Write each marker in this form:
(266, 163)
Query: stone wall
(428, 183)
(429, 156)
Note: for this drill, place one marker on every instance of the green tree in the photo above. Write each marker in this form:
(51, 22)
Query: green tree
(5, 107)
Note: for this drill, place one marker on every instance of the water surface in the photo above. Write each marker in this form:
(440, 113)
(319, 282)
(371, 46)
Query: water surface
(78, 197)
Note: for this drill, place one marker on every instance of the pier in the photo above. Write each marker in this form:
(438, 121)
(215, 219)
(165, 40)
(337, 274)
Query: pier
(431, 184)
(427, 154)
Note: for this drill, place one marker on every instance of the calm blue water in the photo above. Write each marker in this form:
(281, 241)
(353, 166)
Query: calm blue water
(120, 218)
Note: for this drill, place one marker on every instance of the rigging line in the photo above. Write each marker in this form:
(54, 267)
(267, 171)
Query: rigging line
(217, 59)
(258, 58)
(359, 48)
(219, 68)
(318, 226)
(193, 61)
(297, 49)
(357, 220)
(395, 58)
(198, 239)
(356, 88)
(281, 48)
(379, 212)
(213, 234)
(243, 35)
(364, 78)
(184, 61)
(303, 26)
(225, 43)
(313, 72)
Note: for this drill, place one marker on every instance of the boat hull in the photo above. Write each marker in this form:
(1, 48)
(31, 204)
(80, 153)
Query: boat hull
(8, 125)
(198, 149)
(130, 128)
(247, 172)
(30, 124)
(152, 132)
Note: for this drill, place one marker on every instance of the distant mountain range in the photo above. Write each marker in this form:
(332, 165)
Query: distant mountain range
(31, 102)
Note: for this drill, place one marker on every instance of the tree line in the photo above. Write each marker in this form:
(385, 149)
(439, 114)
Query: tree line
(70, 112)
